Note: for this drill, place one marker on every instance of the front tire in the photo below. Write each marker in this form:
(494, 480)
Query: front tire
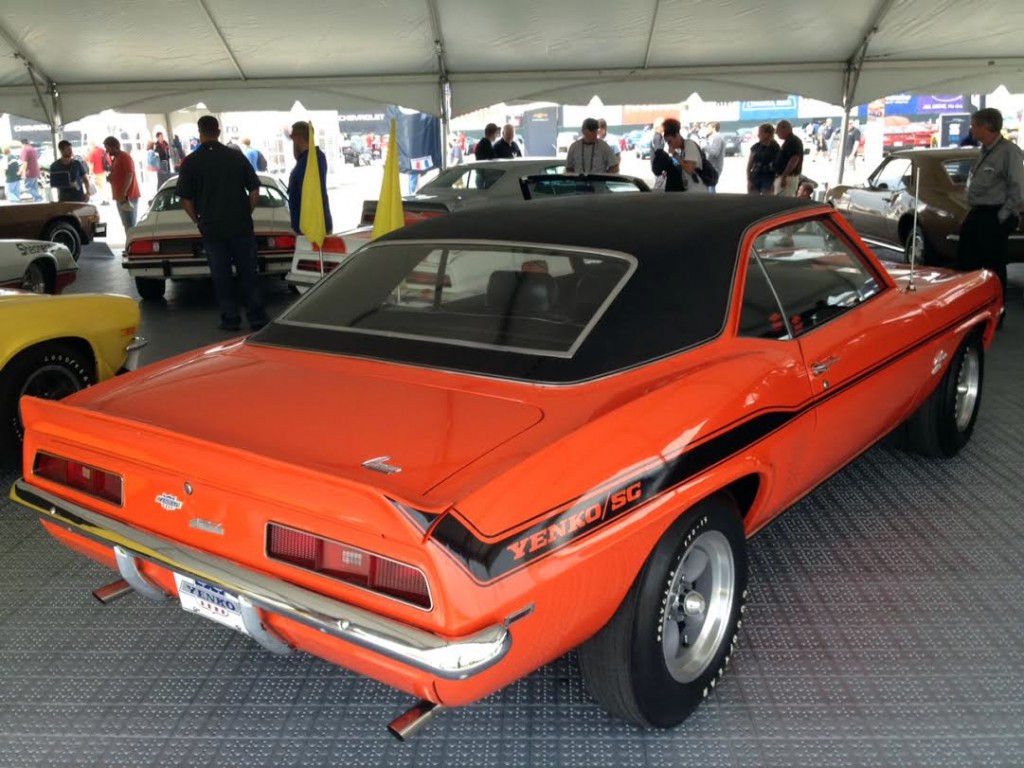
(51, 371)
(915, 240)
(65, 234)
(35, 279)
(945, 422)
(150, 288)
(667, 645)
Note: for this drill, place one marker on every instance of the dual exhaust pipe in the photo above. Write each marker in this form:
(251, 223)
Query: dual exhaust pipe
(403, 727)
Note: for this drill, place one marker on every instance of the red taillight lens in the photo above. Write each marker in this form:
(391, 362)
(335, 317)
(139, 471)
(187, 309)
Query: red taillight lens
(281, 242)
(312, 265)
(143, 247)
(428, 278)
(349, 564)
(334, 245)
(81, 477)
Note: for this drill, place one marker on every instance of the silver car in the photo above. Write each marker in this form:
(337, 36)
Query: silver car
(469, 185)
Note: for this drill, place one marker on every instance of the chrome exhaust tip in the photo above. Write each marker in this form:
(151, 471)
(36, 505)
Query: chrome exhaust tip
(112, 591)
(407, 725)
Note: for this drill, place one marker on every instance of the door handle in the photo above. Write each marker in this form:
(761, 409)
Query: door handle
(821, 366)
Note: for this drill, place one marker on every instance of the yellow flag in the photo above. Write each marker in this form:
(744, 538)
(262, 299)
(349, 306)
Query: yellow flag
(389, 216)
(311, 209)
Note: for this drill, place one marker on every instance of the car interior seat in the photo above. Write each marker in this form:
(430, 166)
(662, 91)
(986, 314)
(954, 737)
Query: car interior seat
(511, 292)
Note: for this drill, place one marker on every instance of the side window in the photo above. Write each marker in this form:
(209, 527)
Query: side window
(760, 315)
(816, 276)
(893, 175)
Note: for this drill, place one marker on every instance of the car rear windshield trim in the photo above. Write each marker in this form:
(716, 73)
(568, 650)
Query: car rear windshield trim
(560, 332)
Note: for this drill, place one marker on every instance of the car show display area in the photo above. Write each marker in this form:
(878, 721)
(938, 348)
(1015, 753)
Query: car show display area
(881, 628)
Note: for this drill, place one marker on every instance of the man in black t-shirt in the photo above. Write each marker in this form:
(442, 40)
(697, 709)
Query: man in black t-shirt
(506, 147)
(484, 149)
(789, 162)
(219, 190)
(69, 176)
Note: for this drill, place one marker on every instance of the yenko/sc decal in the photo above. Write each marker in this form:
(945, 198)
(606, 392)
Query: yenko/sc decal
(575, 520)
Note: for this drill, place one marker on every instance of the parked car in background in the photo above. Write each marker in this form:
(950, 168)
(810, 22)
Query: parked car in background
(355, 152)
(911, 136)
(733, 144)
(70, 224)
(568, 451)
(564, 141)
(37, 266)
(469, 185)
(166, 245)
(53, 346)
(882, 208)
(643, 145)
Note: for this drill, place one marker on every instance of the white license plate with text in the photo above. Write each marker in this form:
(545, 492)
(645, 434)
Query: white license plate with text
(210, 601)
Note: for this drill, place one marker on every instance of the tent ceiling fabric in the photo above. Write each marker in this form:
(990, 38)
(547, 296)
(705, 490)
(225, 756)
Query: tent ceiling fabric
(144, 55)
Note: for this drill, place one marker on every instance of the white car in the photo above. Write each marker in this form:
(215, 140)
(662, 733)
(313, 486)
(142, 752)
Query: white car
(166, 245)
(38, 266)
(469, 185)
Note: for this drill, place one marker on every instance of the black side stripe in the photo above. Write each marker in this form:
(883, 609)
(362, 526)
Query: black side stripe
(487, 561)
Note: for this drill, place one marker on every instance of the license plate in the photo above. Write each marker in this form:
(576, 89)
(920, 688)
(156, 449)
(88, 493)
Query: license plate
(897, 143)
(210, 601)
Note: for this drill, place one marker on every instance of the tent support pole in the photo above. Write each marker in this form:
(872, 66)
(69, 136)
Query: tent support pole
(854, 65)
(57, 123)
(445, 90)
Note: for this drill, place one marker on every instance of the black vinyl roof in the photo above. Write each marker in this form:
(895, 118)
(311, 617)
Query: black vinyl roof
(686, 248)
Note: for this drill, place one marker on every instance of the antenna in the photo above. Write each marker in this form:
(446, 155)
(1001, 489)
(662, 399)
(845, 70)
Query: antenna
(913, 232)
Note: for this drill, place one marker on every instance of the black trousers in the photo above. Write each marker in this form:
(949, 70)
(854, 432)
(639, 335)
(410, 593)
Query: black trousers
(984, 242)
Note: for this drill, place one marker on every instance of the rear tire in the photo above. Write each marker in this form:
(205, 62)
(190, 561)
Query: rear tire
(51, 371)
(944, 423)
(64, 232)
(150, 288)
(667, 645)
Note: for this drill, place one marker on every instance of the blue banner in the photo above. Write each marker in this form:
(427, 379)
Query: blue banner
(909, 105)
(770, 109)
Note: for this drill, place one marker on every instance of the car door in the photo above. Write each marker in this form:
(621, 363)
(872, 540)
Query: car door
(780, 389)
(857, 335)
(868, 206)
(897, 177)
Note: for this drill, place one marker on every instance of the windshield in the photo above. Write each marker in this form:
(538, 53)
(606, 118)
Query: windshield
(531, 299)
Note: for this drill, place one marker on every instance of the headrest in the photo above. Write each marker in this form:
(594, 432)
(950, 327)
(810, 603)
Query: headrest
(521, 293)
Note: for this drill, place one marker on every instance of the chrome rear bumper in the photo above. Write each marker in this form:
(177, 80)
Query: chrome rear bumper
(453, 659)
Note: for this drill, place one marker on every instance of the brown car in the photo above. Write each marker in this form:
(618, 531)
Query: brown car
(70, 224)
(882, 209)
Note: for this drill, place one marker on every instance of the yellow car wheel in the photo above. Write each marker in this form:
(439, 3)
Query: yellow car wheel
(50, 371)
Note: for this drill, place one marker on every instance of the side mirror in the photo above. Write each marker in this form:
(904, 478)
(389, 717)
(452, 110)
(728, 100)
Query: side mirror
(882, 186)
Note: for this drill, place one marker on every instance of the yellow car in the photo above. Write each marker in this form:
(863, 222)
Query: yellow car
(51, 346)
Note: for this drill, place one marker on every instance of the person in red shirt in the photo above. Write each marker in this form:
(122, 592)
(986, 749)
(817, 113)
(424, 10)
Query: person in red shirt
(30, 170)
(99, 165)
(124, 186)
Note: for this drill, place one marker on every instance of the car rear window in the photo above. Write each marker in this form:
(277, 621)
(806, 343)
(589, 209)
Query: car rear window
(465, 178)
(533, 299)
(958, 170)
(167, 200)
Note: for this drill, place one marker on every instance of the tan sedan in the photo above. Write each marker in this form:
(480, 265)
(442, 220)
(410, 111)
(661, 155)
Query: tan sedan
(882, 209)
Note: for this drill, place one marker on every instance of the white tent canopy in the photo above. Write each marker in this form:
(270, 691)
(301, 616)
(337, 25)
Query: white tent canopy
(149, 56)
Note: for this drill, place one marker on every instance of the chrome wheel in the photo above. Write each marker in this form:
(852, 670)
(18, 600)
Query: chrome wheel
(968, 384)
(34, 280)
(50, 382)
(698, 606)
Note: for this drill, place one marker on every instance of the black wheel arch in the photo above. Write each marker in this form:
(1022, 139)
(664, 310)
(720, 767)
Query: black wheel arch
(77, 343)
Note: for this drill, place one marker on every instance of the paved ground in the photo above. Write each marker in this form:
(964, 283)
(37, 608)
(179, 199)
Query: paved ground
(883, 629)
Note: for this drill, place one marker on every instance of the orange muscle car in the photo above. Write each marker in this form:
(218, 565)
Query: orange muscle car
(567, 448)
